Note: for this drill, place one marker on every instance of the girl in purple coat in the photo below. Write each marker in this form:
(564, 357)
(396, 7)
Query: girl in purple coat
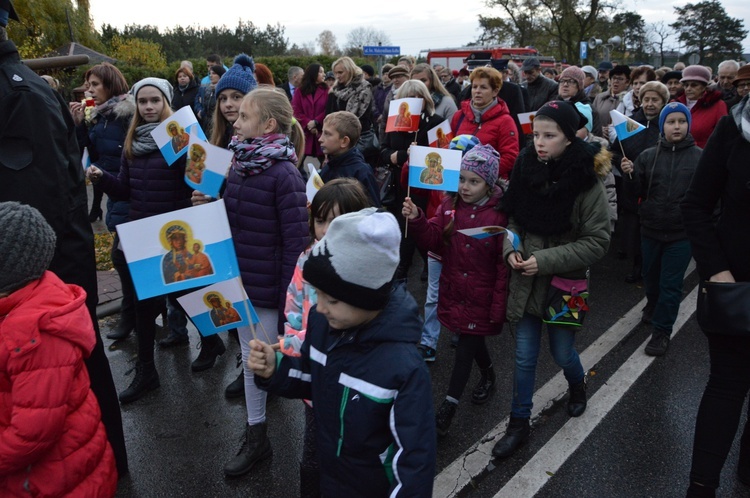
(309, 106)
(474, 280)
(267, 210)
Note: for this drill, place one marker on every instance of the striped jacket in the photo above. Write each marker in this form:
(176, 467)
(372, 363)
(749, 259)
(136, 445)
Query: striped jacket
(372, 398)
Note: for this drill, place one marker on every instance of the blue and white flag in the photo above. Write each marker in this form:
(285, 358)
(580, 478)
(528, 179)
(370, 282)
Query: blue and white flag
(206, 166)
(491, 231)
(624, 126)
(172, 136)
(219, 307)
(435, 169)
(181, 250)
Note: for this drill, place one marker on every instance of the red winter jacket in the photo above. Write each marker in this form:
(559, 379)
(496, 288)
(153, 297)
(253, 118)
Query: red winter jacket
(705, 114)
(474, 281)
(52, 440)
(496, 128)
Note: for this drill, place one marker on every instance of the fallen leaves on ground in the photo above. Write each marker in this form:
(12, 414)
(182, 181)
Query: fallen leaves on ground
(103, 248)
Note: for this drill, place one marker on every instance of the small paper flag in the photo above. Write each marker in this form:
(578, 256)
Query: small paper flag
(491, 231)
(403, 115)
(435, 169)
(440, 136)
(314, 182)
(624, 126)
(526, 119)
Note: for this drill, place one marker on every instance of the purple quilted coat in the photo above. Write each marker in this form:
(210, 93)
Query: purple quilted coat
(150, 184)
(268, 217)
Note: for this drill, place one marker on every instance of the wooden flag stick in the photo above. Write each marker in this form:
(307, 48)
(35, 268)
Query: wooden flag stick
(406, 221)
(623, 155)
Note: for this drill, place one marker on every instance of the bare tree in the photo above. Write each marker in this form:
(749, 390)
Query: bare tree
(364, 36)
(659, 33)
(327, 41)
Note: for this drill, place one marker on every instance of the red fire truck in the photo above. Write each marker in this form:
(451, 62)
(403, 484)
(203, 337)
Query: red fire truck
(456, 58)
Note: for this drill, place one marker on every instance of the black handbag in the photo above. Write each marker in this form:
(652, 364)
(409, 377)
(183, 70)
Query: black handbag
(724, 308)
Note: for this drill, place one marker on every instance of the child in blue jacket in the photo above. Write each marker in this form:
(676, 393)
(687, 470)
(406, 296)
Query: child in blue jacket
(360, 365)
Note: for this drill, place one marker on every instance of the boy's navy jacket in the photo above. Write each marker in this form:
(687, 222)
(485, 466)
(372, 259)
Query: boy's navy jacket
(372, 398)
(352, 164)
(662, 176)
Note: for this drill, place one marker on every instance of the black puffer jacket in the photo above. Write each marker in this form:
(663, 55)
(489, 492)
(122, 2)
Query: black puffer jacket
(662, 176)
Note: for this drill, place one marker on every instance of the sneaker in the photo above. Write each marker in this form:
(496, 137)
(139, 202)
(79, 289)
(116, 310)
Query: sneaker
(658, 344)
(428, 353)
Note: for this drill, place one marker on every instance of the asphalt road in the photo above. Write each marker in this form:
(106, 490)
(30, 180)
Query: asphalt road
(634, 440)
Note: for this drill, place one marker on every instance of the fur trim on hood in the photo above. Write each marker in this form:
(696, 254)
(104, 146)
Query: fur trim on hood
(602, 161)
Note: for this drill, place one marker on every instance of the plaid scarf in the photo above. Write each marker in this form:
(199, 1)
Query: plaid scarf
(741, 115)
(257, 155)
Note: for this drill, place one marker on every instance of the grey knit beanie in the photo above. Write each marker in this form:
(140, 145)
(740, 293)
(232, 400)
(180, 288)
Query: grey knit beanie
(27, 244)
(356, 259)
(161, 84)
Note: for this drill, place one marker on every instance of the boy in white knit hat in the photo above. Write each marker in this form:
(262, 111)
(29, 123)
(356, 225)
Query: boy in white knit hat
(360, 365)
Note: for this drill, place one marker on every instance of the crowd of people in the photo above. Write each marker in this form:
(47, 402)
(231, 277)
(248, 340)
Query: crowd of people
(327, 278)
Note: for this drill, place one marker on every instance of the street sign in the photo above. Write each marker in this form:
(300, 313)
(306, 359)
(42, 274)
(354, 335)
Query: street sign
(694, 59)
(381, 50)
(584, 50)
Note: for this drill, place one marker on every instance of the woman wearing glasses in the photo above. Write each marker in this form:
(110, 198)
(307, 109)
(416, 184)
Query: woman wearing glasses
(571, 88)
(706, 106)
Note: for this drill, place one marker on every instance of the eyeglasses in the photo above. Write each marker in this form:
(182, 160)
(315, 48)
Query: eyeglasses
(619, 80)
(567, 82)
(744, 85)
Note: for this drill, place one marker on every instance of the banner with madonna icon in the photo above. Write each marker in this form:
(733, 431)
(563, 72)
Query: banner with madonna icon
(219, 307)
(180, 250)
(172, 136)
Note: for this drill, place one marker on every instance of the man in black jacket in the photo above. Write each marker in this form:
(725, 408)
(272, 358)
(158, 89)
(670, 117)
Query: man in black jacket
(40, 165)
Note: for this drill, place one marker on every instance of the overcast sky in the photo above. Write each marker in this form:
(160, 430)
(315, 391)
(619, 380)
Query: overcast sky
(425, 24)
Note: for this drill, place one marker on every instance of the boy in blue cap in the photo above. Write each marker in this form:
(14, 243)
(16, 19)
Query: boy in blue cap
(662, 175)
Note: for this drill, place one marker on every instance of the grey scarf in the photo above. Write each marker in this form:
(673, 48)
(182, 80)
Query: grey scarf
(143, 142)
(741, 115)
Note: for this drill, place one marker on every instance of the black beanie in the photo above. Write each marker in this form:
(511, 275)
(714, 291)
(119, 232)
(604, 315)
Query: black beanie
(565, 114)
(27, 245)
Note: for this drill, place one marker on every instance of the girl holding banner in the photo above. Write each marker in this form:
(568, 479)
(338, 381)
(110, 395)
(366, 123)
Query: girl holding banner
(474, 279)
(395, 153)
(267, 210)
(153, 187)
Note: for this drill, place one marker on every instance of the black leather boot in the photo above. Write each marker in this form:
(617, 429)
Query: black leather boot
(255, 447)
(515, 436)
(635, 275)
(146, 379)
(444, 417)
(485, 387)
(211, 347)
(236, 389)
(122, 330)
(743, 466)
(577, 399)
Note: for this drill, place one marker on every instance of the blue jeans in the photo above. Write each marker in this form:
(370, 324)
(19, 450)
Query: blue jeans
(431, 329)
(528, 343)
(176, 317)
(664, 265)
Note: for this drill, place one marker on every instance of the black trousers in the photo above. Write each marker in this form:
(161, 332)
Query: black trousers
(470, 348)
(721, 408)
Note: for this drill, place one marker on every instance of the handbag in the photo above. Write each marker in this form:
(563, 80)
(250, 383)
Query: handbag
(566, 302)
(724, 308)
(386, 183)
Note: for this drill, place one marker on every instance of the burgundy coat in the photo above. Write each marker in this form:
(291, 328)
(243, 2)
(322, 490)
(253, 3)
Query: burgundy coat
(308, 108)
(474, 281)
(496, 128)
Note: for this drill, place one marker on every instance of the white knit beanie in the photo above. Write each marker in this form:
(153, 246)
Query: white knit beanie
(356, 259)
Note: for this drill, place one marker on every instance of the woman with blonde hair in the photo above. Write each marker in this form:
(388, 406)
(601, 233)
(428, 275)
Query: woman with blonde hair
(443, 100)
(395, 153)
(353, 93)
